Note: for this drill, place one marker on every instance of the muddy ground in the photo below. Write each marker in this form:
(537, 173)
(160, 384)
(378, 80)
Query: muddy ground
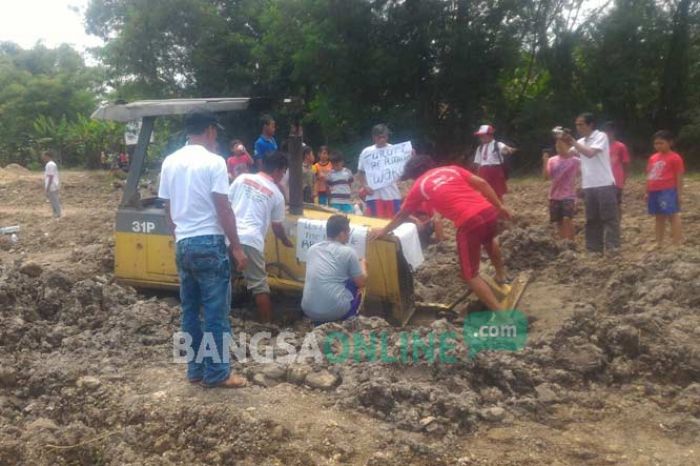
(610, 373)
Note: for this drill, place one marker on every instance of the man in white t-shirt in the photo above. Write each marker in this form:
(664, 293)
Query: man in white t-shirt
(383, 202)
(598, 183)
(194, 183)
(489, 160)
(52, 183)
(258, 203)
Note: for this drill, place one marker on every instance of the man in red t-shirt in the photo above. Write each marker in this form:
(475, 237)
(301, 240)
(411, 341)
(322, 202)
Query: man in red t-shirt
(473, 206)
(619, 159)
(239, 161)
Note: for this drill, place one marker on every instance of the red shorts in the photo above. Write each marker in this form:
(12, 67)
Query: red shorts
(479, 230)
(495, 176)
(380, 208)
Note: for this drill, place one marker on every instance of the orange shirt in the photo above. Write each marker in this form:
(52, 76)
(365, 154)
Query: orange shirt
(322, 172)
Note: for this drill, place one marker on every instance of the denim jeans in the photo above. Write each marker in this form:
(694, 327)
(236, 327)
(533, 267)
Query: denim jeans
(205, 282)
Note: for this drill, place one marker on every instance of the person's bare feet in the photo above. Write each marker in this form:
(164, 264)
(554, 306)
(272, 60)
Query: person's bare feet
(233, 381)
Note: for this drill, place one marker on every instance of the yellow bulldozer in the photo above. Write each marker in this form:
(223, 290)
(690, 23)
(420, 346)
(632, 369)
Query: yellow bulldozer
(144, 255)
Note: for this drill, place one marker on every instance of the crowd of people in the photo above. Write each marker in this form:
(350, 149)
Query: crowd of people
(220, 213)
(602, 164)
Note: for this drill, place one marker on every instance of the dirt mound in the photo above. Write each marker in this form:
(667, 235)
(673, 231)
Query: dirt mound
(641, 332)
(87, 376)
(6, 175)
(68, 342)
(439, 278)
(653, 324)
(16, 169)
(530, 247)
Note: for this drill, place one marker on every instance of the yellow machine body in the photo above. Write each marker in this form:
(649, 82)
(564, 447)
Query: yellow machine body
(145, 258)
(145, 249)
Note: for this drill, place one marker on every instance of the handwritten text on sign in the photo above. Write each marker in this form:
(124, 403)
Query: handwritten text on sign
(385, 166)
(310, 232)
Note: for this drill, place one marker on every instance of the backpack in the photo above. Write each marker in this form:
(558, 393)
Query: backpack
(506, 161)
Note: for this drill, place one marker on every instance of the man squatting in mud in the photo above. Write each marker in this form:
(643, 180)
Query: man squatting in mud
(473, 206)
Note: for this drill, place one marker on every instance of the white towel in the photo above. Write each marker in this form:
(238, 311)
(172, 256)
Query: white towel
(407, 233)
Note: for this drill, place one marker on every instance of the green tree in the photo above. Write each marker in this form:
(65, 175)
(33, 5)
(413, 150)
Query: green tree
(432, 69)
(53, 84)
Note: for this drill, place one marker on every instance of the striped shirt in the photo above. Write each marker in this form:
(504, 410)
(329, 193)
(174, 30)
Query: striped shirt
(340, 186)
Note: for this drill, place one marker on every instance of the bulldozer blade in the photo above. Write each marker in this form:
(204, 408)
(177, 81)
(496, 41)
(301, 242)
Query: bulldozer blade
(509, 295)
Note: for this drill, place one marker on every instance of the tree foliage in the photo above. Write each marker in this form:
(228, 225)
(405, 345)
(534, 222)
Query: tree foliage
(46, 96)
(432, 69)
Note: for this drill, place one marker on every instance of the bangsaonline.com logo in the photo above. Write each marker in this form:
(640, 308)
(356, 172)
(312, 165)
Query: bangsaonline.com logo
(482, 331)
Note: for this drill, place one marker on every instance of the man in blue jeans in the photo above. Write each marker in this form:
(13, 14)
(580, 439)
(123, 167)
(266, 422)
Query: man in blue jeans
(194, 183)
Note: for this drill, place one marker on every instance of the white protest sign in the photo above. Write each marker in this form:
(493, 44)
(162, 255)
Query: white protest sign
(131, 133)
(310, 232)
(385, 166)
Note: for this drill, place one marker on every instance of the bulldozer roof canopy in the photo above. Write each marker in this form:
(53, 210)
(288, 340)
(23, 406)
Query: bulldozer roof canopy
(150, 108)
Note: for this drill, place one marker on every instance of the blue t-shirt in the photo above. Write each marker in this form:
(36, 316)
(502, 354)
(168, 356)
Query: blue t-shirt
(263, 146)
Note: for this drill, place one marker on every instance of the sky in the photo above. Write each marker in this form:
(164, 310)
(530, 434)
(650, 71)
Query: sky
(52, 22)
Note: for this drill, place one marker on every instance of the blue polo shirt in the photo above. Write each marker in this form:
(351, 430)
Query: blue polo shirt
(263, 146)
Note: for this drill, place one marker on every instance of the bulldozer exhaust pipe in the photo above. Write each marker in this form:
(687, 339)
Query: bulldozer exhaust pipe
(296, 194)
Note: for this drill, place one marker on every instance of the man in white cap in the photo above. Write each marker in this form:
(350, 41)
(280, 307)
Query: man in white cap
(489, 159)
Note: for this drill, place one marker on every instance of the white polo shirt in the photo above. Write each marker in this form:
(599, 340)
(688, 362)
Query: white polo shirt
(188, 178)
(596, 171)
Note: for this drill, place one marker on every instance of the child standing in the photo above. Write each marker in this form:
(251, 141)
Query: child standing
(239, 161)
(562, 169)
(339, 182)
(308, 175)
(323, 167)
(619, 159)
(664, 187)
